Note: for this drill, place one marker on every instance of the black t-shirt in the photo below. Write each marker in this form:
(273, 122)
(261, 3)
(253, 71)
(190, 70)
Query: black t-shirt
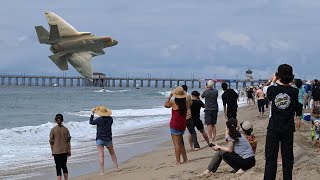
(284, 107)
(195, 108)
(250, 93)
(230, 98)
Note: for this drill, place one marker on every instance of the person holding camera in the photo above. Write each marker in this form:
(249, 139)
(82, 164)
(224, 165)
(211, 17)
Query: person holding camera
(178, 121)
(284, 109)
(238, 153)
(104, 135)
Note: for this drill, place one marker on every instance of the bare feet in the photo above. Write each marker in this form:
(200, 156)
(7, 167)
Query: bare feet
(185, 161)
(206, 172)
(116, 170)
(101, 174)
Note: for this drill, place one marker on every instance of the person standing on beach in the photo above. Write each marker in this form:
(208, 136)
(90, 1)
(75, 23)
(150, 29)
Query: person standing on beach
(193, 141)
(229, 99)
(196, 106)
(284, 110)
(316, 93)
(265, 90)
(250, 95)
(178, 122)
(104, 135)
(261, 101)
(211, 109)
(307, 95)
(60, 146)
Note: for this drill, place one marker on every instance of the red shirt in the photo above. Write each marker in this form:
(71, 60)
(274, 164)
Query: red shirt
(178, 122)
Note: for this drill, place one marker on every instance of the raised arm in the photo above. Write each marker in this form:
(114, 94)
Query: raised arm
(168, 103)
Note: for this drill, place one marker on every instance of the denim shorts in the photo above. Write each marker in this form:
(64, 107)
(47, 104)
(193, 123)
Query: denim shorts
(103, 143)
(176, 132)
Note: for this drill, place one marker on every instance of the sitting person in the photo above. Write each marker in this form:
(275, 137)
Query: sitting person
(247, 129)
(238, 154)
(315, 127)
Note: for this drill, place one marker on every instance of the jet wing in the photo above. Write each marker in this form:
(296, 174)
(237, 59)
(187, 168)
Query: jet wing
(61, 63)
(82, 63)
(65, 29)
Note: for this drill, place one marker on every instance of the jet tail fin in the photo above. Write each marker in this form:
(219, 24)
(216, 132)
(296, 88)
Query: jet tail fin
(43, 34)
(61, 63)
(54, 33)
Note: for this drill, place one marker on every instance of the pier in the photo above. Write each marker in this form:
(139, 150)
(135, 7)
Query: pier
(70, 81)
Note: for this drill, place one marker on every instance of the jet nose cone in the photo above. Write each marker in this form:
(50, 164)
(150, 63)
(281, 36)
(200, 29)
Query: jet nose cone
(114, 42)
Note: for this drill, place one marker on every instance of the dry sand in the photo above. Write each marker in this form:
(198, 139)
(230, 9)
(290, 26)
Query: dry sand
(161, 164)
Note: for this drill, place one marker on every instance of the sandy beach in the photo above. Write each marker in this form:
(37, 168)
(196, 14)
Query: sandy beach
(160, 164)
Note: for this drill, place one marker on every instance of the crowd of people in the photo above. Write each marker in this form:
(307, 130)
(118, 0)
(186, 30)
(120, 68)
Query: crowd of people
(285, 96)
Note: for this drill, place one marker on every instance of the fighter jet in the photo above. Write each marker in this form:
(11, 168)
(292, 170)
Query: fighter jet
(69, 45)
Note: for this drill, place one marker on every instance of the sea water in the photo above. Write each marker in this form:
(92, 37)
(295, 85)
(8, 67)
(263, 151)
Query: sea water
(27, 115)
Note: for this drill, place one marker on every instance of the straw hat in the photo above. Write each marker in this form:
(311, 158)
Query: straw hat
(247, 126)
(102, 111)
(179, 92)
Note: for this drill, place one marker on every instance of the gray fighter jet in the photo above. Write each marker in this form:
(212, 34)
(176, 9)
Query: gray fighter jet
(69, 45)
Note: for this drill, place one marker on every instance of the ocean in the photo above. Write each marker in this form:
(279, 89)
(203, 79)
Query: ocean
(27, 115)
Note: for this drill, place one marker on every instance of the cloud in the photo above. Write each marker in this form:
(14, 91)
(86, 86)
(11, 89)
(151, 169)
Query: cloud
(279, 45)
(235, 39)
(170, 50)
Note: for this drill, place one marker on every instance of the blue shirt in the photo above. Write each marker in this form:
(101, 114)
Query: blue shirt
(104, 131)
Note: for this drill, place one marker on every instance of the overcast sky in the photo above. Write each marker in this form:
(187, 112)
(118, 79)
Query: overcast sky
(171, 38)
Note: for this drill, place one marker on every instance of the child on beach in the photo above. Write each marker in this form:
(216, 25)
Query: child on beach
(284, 109)
(60, 146)
(315, 120)
(197, 104)
(178, 122)
(104, 135)
(247, 129)
(238, 153)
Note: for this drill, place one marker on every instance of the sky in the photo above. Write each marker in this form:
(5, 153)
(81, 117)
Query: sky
(171, 38)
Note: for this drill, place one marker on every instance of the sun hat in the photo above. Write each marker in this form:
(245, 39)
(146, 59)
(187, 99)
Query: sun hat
(102, 111)
(246, 126)
(210, 84)
(179, 92)
(308, 82)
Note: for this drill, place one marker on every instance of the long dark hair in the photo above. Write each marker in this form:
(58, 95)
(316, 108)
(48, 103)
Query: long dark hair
(181, 102)
(59, 119)
(232, 126)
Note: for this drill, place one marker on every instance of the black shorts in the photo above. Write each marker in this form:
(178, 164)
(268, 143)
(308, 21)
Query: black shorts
(210, 117)
(198, 123)
(232, 113)
(299, 109)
